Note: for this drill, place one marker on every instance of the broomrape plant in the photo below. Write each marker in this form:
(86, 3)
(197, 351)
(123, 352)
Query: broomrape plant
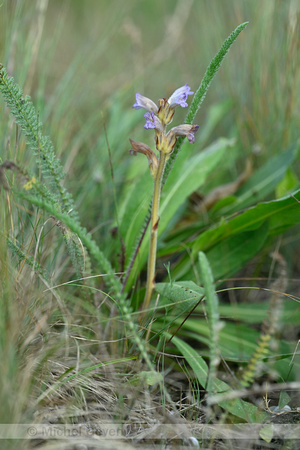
(158, 118)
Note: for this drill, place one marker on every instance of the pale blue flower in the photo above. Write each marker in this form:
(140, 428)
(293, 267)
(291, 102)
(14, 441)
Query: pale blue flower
(152, 122)
(145, 102)
(179, 96)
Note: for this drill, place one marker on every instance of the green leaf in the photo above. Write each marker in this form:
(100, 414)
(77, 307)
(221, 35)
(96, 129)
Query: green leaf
(236, 341)
(284, 399)
(135, 210)
(40, 145)
(267, 432)
(280, 214)
(185, 295)
(288, 182)
(238, 407)
(188, 175)
(263, 181)
(232, 253)
(148, 378)
(209, 288)
(256, 312)
(193, 358)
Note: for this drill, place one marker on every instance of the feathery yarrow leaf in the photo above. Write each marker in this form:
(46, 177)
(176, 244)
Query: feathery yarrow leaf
(25, 116)
(200, 94)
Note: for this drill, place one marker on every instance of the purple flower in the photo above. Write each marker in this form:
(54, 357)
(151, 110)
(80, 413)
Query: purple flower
(152, 122)
(185, 130)
(179, 96)
(144, 102)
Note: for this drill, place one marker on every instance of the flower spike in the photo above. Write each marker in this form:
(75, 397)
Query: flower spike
(157, 119)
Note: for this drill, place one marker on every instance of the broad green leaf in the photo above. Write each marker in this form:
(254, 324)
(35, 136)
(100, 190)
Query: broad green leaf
(280, 214)
(263, 181)
(232, 253)
(238, 407)
(193, 358)
(177, 299)
(284, 399)
(267, 432)
(256, 312)
(188, 175)
(136, 208)
(223, 203)
(261, 184)
(281, 363)
(288, 183)
(185, 295)
(236, 341)
(149, 378)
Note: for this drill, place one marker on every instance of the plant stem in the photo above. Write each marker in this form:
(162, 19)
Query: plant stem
(154, 228)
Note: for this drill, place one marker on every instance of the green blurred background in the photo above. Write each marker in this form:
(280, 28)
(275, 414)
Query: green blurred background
(156, 46)
(83, 61)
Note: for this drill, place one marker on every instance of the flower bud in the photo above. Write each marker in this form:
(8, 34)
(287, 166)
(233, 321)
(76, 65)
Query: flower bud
(140, 147)
(165, 112)
(166, 143)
